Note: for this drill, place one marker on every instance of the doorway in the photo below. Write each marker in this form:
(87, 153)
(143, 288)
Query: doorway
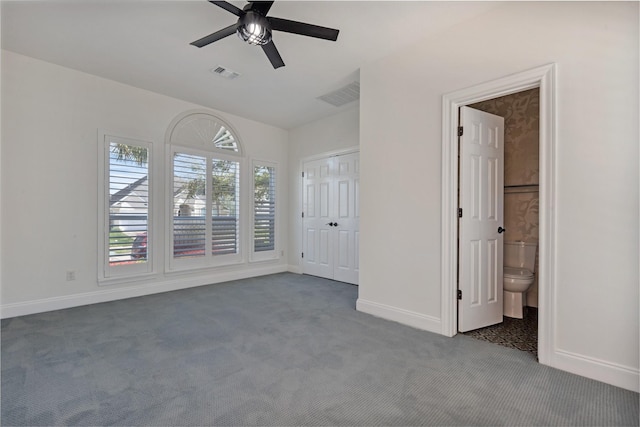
(520, 111)
(544, 79)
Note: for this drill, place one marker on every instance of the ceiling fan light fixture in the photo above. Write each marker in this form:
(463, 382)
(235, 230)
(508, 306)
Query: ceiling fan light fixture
(254, 29)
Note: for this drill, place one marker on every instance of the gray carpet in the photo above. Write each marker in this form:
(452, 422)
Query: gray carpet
(278, 350)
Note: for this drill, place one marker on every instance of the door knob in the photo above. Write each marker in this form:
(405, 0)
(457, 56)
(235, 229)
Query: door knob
(331, 224)
(501, 230)
(335, 224)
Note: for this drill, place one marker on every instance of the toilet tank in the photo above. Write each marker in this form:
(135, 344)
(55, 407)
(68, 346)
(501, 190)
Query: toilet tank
(520, 254)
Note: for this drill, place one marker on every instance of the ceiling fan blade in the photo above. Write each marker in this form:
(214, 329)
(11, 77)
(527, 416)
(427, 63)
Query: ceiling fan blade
(303, 29)
(228, 7)
(273, 54)
(261, 7)
(214, 37)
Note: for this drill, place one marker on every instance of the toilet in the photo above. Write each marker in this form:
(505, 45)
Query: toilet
(519, 265)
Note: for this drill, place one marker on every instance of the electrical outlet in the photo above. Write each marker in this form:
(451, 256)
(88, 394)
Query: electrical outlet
(71, 275)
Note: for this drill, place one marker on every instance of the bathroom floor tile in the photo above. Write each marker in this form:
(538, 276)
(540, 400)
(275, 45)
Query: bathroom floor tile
(521, 334)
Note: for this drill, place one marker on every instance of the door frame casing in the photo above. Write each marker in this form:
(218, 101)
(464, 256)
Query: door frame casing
(544, 78)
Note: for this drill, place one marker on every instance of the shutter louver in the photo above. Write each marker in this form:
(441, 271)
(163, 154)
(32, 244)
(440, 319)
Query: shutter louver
(128, 204)
(189, 205)
(264, 206)
(225, 184)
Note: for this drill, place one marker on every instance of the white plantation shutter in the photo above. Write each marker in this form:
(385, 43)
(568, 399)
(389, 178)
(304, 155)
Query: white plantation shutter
(225, 206)
(189, 204)
(124, 201)
(264, 208)
(128, 201)
(206, 209)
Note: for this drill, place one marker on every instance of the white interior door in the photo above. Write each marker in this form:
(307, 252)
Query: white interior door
(346, 227)
(331, 218)
(317, 201)
(481, 201)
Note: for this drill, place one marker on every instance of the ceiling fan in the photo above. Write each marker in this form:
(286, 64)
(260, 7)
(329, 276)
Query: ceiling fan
(255, 27)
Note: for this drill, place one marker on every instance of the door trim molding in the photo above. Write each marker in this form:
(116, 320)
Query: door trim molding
(327, 154)
(544, 78)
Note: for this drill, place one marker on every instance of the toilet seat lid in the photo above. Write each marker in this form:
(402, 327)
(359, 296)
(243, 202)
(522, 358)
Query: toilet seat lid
(517, 273)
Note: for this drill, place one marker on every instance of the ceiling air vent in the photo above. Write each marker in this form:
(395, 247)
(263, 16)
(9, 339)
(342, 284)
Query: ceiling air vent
(342, 96)
(225, 72)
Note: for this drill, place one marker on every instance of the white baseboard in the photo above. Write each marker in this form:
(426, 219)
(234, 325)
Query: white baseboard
(596, 369)
(294, 269)
(406, 317)
(157, 286)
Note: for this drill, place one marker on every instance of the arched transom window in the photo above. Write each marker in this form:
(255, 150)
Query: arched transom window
(204, 131)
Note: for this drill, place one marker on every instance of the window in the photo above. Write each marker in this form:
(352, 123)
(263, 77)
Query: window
(204, 131)
(204, 219)
(124, 206)
(264, 211)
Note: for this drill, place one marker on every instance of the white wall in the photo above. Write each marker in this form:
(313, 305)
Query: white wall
(328, 135)
(595, 47)
(51, 116)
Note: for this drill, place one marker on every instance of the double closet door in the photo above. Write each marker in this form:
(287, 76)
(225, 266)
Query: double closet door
(331, 218)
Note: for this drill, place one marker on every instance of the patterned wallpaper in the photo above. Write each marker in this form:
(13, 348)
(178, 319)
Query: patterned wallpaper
(521, 112)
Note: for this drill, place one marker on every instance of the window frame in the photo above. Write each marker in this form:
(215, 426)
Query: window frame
(208, 260)
(257, 256)
(108, 273)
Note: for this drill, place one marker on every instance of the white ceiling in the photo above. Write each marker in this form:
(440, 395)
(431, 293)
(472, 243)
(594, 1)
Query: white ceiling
(145, 44)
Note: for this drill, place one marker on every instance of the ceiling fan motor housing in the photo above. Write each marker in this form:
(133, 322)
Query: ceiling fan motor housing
(254, 28)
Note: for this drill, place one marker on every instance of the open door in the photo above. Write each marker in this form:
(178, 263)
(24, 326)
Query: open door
(481, 219)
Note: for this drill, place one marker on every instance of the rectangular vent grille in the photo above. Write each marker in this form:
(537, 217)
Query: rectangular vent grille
(225, 72)
(342, 96)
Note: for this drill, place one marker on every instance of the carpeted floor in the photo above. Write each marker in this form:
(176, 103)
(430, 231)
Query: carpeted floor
(279, 350)
(521, 334)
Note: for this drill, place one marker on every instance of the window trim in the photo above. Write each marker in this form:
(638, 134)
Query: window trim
(259, 256)
(108, 274)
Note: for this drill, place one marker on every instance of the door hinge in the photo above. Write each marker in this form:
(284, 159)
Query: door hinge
(460, 130)
(302, 214)
(302, 254)
(459, 294)
(303, 174)
(459, 212)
